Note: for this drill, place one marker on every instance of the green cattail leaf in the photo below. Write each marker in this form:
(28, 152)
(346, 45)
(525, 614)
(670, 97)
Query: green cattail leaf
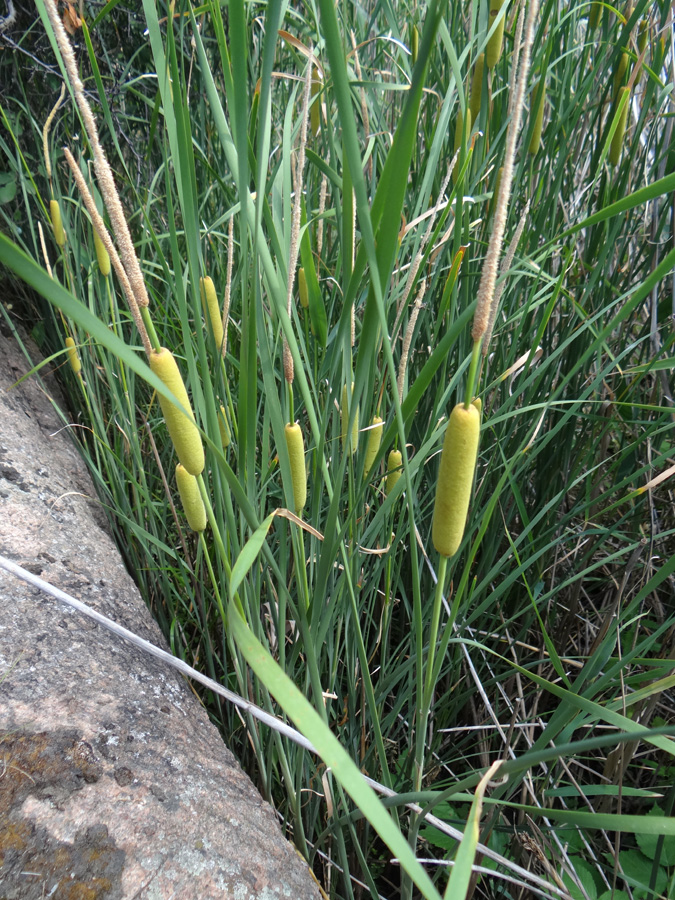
(455, 479)
(73, 356)
(494, 47)
(623, 106)
(57, 223)
(249, 553)
(191, 499)
(394, 463)
(182, 428)
(212, 311)
(296, 453)
(101, 255)
(373, 445)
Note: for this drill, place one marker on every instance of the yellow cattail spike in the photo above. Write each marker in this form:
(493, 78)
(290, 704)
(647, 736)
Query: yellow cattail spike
(302, 289)
(315, 111)
(224, 428)
(183, 430)
(344, 418)
(617, 139)
(620, 75)
(57, 223)
(455, 479)
(478, 403)
(101, 255)
(595, 15)
(643, 35)
(537, 110)
(394, 462)
(73, 356)
(414, 44)
(494, 47)
(373, 445)
(193, 505)
(212, 309)
(477, 87)
(459, 133)
(296, 453)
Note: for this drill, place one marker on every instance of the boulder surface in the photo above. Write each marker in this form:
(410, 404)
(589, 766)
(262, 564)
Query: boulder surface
(113, 781)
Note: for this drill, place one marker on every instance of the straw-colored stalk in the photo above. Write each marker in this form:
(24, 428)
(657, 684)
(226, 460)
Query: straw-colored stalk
(228, 282)
(298, 177)
(488, 280)
(106, 240)
(103, 170)
(47, 128)
(407, 339)
(505, 266)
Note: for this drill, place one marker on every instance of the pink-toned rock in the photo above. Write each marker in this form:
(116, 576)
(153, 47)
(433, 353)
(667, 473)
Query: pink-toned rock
(113, 782)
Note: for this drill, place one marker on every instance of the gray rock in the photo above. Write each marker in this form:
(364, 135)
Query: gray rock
(113, 782)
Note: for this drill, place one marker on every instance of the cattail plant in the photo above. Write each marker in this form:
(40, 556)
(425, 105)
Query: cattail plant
(302, 289)
(459, 140)
(394, 463)
(57, 223)
(212, 309)
(619, 77)
(373, 444)
(182, 428)
(193, 505)
(623, 105)
(73, 356)
(537, 113)
(102, 255)
(494, 47)
(224, 429)
(477, 88)
(315, 110)
(353, 444)
(595, 15)
(296, 454)
(455, 478)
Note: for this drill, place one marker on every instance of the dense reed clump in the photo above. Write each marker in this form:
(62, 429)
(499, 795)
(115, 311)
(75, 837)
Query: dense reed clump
(414, 631)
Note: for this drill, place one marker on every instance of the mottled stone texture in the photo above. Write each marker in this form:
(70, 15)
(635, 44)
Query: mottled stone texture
(113, 782)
